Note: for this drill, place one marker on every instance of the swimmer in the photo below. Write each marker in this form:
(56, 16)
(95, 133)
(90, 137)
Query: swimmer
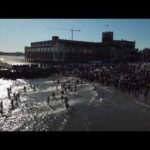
(66, 103)
(48, 99)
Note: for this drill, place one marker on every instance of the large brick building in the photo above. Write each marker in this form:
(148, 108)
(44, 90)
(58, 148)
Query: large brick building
(60, 50)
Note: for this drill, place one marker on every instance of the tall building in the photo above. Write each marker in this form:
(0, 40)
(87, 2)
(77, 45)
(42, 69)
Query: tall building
(66, 51)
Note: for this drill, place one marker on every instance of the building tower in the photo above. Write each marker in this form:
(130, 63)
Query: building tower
(107, 36)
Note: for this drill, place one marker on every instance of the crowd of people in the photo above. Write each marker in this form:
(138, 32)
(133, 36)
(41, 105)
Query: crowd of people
(15, 100)
(66, 88)
(14, 97)
(131, 78)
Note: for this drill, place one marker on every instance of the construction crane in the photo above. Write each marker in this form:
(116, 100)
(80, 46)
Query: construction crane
(72, 30)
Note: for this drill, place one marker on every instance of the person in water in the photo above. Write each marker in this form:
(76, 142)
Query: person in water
(102, 94)
(18, 97)
(58, 81)
(62, 92)
(75, 88)
(25, 90)
(1, 105)
(66, 103)
(9, 96)
(12, 103)
(48, 99)
(62, 97)
(34, 88)
(53, 94)
(10, 89)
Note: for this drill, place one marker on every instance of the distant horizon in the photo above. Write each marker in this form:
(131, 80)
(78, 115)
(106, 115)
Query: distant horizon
(15, 34)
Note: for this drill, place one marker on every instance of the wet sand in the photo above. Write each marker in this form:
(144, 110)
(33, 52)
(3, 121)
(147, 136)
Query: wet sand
(116, 112)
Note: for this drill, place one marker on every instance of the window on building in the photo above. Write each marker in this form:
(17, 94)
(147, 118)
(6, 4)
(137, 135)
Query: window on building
(90, 51)
(73, 50)
(79, 51)
(67, 50)
(85, 51)
(49, 49)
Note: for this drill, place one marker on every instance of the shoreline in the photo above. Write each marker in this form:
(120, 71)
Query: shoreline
(4, 65)
(21, 61)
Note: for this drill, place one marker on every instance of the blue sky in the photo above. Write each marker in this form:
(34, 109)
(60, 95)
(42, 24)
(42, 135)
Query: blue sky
(17, 33)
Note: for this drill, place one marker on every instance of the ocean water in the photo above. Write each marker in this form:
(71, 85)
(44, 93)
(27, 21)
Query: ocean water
(34, 113)
(89, 110)
(13, 60)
